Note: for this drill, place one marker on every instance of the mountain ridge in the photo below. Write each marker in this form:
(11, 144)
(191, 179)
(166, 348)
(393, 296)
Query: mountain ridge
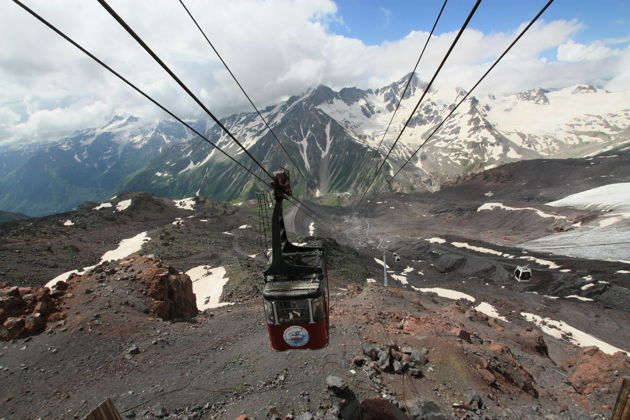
(331, 134)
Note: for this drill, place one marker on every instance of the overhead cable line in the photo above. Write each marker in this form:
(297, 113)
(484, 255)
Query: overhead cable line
(543, 248)
(426, 90)
(473, 88)
(139, 40)
(413, 72)
(141, 92)
(115, 73)
(242, 89)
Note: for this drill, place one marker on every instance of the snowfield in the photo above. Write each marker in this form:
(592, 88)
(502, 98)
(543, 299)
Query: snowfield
(604, 239)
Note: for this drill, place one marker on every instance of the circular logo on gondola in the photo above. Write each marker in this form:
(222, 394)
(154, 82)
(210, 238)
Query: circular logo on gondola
(295, 336)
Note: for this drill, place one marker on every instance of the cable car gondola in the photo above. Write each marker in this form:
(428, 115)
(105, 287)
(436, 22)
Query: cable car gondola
(523, 274)
(296, 286)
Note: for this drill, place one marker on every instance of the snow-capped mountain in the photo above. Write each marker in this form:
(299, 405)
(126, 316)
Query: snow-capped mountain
(334, 136)
(489, 131)
(88, 165)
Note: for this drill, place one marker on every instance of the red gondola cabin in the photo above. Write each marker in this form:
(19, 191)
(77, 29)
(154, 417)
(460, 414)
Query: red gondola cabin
(296, 290)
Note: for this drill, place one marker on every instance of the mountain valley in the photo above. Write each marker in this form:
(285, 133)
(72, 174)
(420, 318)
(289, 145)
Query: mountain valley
(487, 345)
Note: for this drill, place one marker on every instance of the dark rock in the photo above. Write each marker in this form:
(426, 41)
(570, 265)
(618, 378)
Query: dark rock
(426, 410)
(10, 291)
(133, 350)
(34, 324)
(370, 351)
(474, 400)
(415, 356)
(381, 409)
(463, 334)
(358, 361)
(384, 360)
(12, 305)
(14, 327)
(416, 373)
(487, 376)
(336, 384)
(159, 411)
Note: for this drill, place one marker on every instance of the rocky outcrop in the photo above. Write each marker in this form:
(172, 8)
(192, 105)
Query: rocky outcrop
(25, 311)
(500, 368)
(594, 370)
(170, 291)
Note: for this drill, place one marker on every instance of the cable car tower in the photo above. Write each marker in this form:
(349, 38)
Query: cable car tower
(296, 286)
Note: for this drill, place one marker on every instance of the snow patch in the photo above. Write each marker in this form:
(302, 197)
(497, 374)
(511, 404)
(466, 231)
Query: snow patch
(68, 223)
(311, 229)
(491, 311)
(370, 281)
(400, 278)
(207, 284)
(436, 240)
(445, 293)
(103, 206)
(476, 248)
(185, 203)
(244, 226)
(379, 262)
(560, 329)
(126, 247)
(123, 205)
(492, 206)
(549, 264)
(587, 286)
(583, 299)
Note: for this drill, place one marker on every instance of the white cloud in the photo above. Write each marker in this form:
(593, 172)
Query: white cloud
(573, 51)
(277, 48)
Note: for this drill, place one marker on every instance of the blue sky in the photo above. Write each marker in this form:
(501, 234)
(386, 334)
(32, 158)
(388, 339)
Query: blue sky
(375, 21)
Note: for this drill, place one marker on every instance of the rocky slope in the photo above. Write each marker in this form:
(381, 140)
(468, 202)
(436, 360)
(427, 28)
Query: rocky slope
(453, 336)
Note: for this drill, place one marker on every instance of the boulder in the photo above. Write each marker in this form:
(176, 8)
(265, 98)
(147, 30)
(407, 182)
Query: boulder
(12, 305)
(14, 327)
(34, 324)
(506, 370)
(336, 384)
(170, 291)
(380, 409)
(426, 410)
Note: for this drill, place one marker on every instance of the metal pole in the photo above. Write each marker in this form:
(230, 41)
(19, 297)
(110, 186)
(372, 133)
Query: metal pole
(384, 269)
